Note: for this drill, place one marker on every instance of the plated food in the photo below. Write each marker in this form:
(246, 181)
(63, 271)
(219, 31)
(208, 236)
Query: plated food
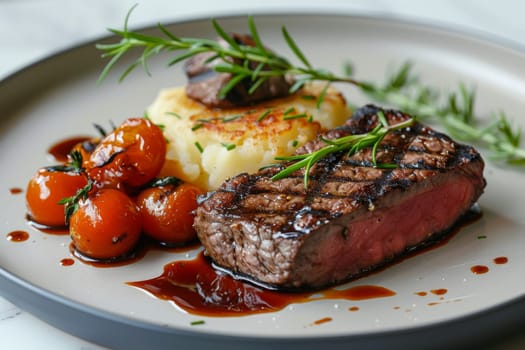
(322, 218)
(101, 295)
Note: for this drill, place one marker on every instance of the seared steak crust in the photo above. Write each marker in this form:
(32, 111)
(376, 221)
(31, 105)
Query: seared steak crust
(353, 218)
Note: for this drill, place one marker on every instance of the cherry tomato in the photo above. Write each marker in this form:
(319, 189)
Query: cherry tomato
(44, 191)
(106, 225)
(167, 212)
(133, 154)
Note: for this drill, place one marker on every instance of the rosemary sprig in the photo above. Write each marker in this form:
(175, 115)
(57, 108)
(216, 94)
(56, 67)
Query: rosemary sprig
(235, 59)
(71, 203)
(455, 113)
(74, 163)
(350, 143)
(402, 90)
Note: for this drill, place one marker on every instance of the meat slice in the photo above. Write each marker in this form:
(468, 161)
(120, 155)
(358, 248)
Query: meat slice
(353, 217)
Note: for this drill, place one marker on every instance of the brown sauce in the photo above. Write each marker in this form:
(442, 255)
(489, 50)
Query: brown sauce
(363, 292)
(322, 320)
(195, 286)
(500, 260)
(479, 269)
(421, 294)
(18, 236)
(61, 149)
(67, 262)
(15, 190)
(353, 308)
(440, 291)
(52, 230)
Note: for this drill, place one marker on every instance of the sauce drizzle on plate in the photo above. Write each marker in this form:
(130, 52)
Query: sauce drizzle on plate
(198, 288)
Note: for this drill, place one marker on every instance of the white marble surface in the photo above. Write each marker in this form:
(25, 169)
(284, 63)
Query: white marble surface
(33, 29)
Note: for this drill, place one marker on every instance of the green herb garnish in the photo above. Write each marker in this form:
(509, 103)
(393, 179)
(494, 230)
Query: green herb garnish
(197, 126)
(455, 113)
(197, 323)
(231, 118)
(308, 97)
(295, 116)
(199, 146)
(289, 110)
(174, 115)
(264, 115)
(228, 146)
(74, 164)
(71, 203)
(403, 90)
(245, 57)
(349, 143)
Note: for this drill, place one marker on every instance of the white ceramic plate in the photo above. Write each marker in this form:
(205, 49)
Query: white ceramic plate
(59, 97)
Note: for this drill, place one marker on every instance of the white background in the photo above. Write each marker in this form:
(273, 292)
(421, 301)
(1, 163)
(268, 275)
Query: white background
(33, 29)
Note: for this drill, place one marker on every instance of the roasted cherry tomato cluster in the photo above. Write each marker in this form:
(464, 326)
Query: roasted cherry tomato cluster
(109, 193)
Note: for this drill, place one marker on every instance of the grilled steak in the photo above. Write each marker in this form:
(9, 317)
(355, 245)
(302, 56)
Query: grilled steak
(352, 218)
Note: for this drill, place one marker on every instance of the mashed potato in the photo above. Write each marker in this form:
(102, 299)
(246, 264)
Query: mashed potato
(207, 146)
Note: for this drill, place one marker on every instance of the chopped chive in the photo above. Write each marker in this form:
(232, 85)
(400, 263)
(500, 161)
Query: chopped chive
(197, 323)
(197, 126)
(199, 147)
(310, 118)
(228, 146)
(295, 116)
(204, 120)
(482, 237)
(295, 143)
(264, 115)
(289, 110)
(308, 97)
(231, 118)
(161, 126)
(174, 114)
